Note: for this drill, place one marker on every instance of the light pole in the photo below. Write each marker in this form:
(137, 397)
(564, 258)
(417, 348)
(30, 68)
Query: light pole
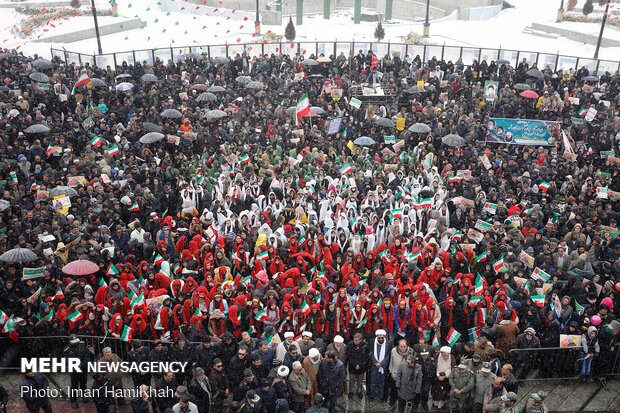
(600, 35)
(92, 2)
(560, 12)
(426, 23)
(257, 21)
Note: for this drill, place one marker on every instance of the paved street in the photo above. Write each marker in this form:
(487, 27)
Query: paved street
(564, 396)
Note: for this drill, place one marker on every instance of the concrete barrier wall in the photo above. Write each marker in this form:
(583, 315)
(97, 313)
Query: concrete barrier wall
(577, 36)
(130, 24)
(401, 9)
(37, 4)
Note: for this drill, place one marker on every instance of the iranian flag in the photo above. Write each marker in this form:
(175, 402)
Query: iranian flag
(305, 308)
(138, 301)
(473, 333)
(261, 315)
(478, 287)
(362, 323)
(3, 317)
(59, 295)
(112, 270)
(96, 141)
(245, 159)
(158, 260)
(499, 265)
(75, 316)
(303, 107)
(426, 203)
(582, 112)
(481, 257)
(49, 316)
(539, 300)
(399, 194)
(579, 308)
(84, 79)
(475, 299)
(251, 330)
(414, 255)
(113, 150)
(455, 179)
(282, 324)
(544, 185)
(246, 281)
(263, 256)
(126, 334)
(484, 315)
(269, 340)
(346, 169)
(102, 283)
(49, 150)
(435, 341)
(9, 325)
(539, 274)
(453, 336)
(135, 207)
(457, 236)
(526, 288)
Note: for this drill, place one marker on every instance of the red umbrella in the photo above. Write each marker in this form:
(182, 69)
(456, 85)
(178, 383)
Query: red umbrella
(80, 267)
(529, 94)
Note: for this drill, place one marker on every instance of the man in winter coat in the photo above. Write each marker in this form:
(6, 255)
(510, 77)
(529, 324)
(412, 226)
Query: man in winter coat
(483, 380)
(492, 400)
(77, 349)
(300, 385)
(380, 360)
(536, 403)
(524, 341)
(331, 376)
(139, 353)
(203, 355)
(408, 382)
(357, 362)
(32, 384)
(608, 343)
(398, 356)
(461, 383)
(429, 369)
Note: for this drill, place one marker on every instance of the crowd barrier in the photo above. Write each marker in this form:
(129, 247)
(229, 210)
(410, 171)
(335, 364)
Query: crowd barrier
(563, 362)
(442, 52)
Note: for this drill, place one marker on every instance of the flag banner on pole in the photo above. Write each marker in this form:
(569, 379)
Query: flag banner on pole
(539, 274)
(453, 336)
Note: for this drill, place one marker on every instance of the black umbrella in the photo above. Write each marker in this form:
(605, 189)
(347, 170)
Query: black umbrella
(18, 255)
(419, 128)
(385, 122)
(453, 140)
(151, 127)
(415, 89)
(591, 78)
(502, 62)
(63, 190)
(37, 129)
(42, 64)
(152, 137)
(221, 60)
(310, 62)
(147, 77)
(98, 82)
(206, 97)
(522, 86)
(216, 89)
(39, 77)
(535, 73)
(171, 113)
(123, 76)
(244, 80)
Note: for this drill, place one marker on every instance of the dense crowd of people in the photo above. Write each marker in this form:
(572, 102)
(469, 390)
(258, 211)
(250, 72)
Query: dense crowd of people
(291, 266)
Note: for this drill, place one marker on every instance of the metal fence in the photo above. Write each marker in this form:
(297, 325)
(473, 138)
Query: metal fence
(427, 52)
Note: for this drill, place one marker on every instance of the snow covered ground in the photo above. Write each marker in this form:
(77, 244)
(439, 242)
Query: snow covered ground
(216, 25)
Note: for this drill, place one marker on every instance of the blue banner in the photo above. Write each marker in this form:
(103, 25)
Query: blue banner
(334, 126)
(521, 131)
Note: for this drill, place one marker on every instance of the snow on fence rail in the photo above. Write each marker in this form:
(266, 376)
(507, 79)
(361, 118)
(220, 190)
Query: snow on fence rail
(442, 52)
